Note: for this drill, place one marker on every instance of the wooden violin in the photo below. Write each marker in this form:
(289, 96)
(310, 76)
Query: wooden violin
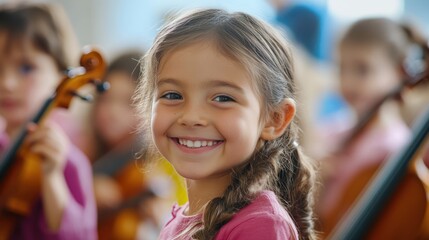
(20, 170)
(122, 220)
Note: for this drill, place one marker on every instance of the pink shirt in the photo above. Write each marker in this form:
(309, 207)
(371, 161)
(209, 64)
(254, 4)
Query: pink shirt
(79, 217)
(264, 218)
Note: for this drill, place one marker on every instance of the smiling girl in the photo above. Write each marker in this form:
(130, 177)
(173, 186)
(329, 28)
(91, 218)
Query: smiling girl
(219, 90)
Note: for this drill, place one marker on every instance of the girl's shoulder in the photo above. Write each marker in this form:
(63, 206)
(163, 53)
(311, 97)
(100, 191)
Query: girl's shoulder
(264, 218)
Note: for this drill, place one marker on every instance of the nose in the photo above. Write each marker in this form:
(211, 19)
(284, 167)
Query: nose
(193, 115)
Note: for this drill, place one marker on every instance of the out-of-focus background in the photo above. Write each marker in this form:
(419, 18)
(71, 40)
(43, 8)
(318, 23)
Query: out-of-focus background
(315, 29)
(117, 25)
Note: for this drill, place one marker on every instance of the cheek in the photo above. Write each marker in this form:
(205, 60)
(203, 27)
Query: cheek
(357, 88)
(387, 81)
(102, 120)
(350, 84)
(375, 89)
(104, 116)
(37, 88)
(100, 113)
(34, 96)
(160, 122)
(345, 90)
(47, 80)
(243, 133)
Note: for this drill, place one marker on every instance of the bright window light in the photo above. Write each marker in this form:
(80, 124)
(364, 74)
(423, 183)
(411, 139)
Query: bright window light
(351, 10)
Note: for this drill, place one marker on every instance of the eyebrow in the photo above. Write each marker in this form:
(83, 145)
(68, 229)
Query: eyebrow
(163, 81)
(221, 83)
(211, 83)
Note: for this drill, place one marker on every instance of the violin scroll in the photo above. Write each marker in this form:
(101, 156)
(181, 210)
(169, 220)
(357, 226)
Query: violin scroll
(91, 72)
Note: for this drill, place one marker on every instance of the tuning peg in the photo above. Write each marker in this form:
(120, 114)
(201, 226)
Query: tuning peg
(73, 72)
(86, 98)
(101, 86)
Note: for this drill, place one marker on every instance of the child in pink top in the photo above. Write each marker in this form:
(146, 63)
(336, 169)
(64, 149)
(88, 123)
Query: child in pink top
(34, 55)
(217, 99)
(372, 53)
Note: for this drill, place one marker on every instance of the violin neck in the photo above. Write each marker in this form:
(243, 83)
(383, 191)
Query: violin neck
(44, 110)
(7, 159)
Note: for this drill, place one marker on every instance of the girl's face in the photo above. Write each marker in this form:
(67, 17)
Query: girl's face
(27, 78)
(366, 74)
(114, 115)
(206, 113)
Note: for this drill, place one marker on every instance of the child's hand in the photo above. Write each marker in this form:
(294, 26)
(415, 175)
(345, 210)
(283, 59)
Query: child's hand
(51, 143)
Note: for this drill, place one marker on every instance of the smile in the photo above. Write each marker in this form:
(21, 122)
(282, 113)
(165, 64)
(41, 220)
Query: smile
(197, 144)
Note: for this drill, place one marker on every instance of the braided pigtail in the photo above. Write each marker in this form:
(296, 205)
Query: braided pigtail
(247, 181)
(296, 184)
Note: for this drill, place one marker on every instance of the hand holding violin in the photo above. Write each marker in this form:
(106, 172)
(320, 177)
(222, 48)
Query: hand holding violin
(51, 143)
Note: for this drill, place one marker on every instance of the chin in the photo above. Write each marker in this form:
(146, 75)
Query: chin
(199, 173)
(191, 174)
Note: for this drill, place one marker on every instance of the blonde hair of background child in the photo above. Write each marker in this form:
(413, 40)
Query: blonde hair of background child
(277, 165)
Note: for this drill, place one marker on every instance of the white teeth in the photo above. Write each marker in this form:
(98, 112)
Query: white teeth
(196, 144)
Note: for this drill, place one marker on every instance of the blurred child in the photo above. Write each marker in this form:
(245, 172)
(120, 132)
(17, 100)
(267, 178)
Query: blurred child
(371, 56)
(217, 99)
(308, 24)
(124, 190)
(116, 177)
(35, 51)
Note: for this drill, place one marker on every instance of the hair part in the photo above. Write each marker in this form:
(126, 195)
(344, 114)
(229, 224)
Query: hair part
(277, 165)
